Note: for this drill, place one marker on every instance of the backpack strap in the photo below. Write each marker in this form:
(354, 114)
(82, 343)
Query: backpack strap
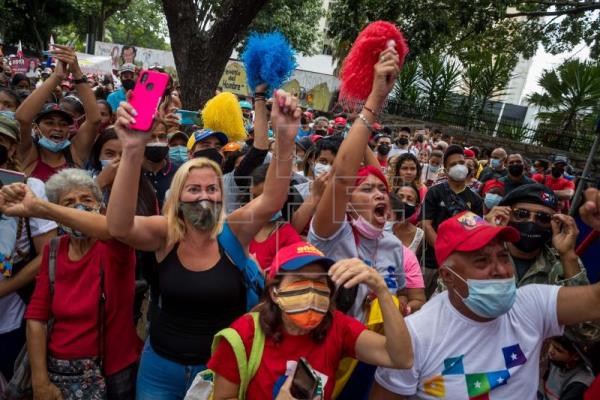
(247, 367)
(232, 246)
(54, 242)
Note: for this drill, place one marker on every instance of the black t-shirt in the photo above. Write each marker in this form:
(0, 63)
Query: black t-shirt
(161, 181)
(489, 173)
(510, 185)
(441, 203)
(194, 307)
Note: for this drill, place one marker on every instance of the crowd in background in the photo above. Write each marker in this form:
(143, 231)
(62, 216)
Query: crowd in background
(396, 260)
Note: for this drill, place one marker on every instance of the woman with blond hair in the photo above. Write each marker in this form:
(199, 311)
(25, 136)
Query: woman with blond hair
(202, 289)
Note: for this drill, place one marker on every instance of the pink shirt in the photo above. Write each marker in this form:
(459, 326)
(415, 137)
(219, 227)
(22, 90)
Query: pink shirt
(412, 269)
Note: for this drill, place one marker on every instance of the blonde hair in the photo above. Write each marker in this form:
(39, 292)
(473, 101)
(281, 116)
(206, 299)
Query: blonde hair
(175, 222)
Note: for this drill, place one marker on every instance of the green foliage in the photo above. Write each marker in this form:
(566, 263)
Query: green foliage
(297, 20)
(570, 94)
(439, 76)
(141, 24)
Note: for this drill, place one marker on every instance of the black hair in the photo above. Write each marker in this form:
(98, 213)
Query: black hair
(402, 158)
(404, 129)
(437, 131)
(105, 103)
(451, 150)
(127, 47)
(331, 143)
(75, 102)
(108, 134)
(259, 174)
(229, 163)
(476, 150)
(387, 130)
(382, 136)
(18, 78)
(396, 205)
(11, 93)
(309, 155)
(412, 186)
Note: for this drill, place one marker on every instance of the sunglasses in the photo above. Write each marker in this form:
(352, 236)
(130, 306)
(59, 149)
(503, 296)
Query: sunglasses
(522, 215)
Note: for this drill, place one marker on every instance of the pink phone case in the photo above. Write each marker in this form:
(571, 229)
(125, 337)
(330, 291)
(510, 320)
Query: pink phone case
(146, 96)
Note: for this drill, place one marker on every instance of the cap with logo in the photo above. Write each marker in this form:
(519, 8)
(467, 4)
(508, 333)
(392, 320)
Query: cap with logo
(293, 257)
(127, 67)
(9, 127)
(468, 232)
(534, 193)
(203, 134)
(53, 108)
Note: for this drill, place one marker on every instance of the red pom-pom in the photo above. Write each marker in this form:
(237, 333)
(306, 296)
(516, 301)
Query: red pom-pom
(357, 70)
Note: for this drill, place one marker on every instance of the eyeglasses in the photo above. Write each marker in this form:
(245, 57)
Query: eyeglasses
(522, 215)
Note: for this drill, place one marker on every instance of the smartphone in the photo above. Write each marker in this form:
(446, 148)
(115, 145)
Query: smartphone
(145, 98)
(187, 117)
(7, 177)
(305, 382)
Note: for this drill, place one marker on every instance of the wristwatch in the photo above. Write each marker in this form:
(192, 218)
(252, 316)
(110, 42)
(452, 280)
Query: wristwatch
(83, 79)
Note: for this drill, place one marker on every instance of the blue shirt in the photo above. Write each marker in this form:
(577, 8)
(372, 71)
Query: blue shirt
(115, 98)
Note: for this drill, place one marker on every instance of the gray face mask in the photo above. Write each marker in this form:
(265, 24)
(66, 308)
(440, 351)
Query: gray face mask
(202, 214)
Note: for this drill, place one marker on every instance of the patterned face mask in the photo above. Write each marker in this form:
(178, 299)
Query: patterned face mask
(73, 233)
(304, 302)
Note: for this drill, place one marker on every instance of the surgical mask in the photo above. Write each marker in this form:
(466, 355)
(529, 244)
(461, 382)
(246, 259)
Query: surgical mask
(8, 114)
(305, 303)
(515, 170)
(211, 154)
(54, 147)
(491, 200)
(105, 163)
(433, 168)
(156, 151)
(458, 172)
(383, 149)
(366, 229)
(495, 164)
(178, 154)
(489, 298)
(320, 169)
(128, 84)
(532, 170)
(278, 215)
(402, 141)
(202, 214)
(73, 233)
(298, 159)
(533, 236)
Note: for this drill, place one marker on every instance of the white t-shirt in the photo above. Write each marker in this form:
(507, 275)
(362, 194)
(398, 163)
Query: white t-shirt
(457, 358)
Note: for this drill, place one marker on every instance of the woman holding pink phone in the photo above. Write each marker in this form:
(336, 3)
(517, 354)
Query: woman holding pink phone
(202, 289)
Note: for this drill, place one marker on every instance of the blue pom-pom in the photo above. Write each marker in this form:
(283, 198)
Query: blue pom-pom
(268, 58)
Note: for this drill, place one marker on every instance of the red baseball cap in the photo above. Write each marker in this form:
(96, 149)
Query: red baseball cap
(340, 121)
(469, 153)
(467, 231)
(296, 256)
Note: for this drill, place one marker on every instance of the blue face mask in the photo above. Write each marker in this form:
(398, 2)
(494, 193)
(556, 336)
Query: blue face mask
(8, 114)
(489, 298)
(492, 200)
(53, 146)
(495, 164)
(278, 215)
(178, 154)
(104, 163)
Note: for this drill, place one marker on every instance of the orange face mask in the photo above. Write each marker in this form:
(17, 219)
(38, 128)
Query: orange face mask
(304, 302)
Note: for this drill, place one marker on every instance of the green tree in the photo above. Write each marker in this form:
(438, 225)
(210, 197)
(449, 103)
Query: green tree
(571, 92)
(139, 25)
(439, 77)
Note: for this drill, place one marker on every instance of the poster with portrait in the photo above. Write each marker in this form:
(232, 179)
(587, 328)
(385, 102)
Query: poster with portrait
(24, 65)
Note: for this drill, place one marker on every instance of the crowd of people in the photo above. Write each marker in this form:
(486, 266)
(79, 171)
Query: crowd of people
(394, 261)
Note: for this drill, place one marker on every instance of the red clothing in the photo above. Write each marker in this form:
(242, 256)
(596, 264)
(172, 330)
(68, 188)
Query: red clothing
(593, 393)
(75, 304)
(559, 183)
(323, 357)
(43, 171)
(265, 251)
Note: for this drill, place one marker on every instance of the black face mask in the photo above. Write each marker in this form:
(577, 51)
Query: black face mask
(211, 154)
(383, 149)
(156, 153)
(409, 210)
(557, 172)
(533, 236)
(515, 170)
(3, 155)
(403, 141)
(128, 84)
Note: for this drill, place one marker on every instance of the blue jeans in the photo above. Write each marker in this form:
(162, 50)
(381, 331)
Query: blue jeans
(162, 379)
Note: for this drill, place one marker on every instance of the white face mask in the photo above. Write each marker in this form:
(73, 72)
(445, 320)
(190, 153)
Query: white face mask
(458, 172)
(321, 168)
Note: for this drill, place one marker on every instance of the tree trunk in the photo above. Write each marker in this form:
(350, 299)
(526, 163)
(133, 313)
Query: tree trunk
(201, 55)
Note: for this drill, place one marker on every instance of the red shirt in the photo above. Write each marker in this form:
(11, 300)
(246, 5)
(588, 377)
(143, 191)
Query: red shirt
(594, 391)
(559, 183)
(323, 357)
(265, 251)
(75, 304)
(43, 171)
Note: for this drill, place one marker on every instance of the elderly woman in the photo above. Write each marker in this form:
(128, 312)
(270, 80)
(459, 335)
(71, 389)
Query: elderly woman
(202, 285)
(92, 346)
(301, 278)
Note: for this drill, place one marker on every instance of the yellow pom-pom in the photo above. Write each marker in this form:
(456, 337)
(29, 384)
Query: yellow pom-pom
(223, 113)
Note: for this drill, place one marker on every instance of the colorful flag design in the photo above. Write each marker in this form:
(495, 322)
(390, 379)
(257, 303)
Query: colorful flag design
(435, 386)
(513, 356)
(454, 366)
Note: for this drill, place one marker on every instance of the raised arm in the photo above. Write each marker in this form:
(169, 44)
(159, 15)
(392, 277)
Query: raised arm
(84, 140)
(142, 233)
(577, 304)
(18, 200)
(31, 106)
(245, 222)
(394, 350)
(305, 212)
(332, 209)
